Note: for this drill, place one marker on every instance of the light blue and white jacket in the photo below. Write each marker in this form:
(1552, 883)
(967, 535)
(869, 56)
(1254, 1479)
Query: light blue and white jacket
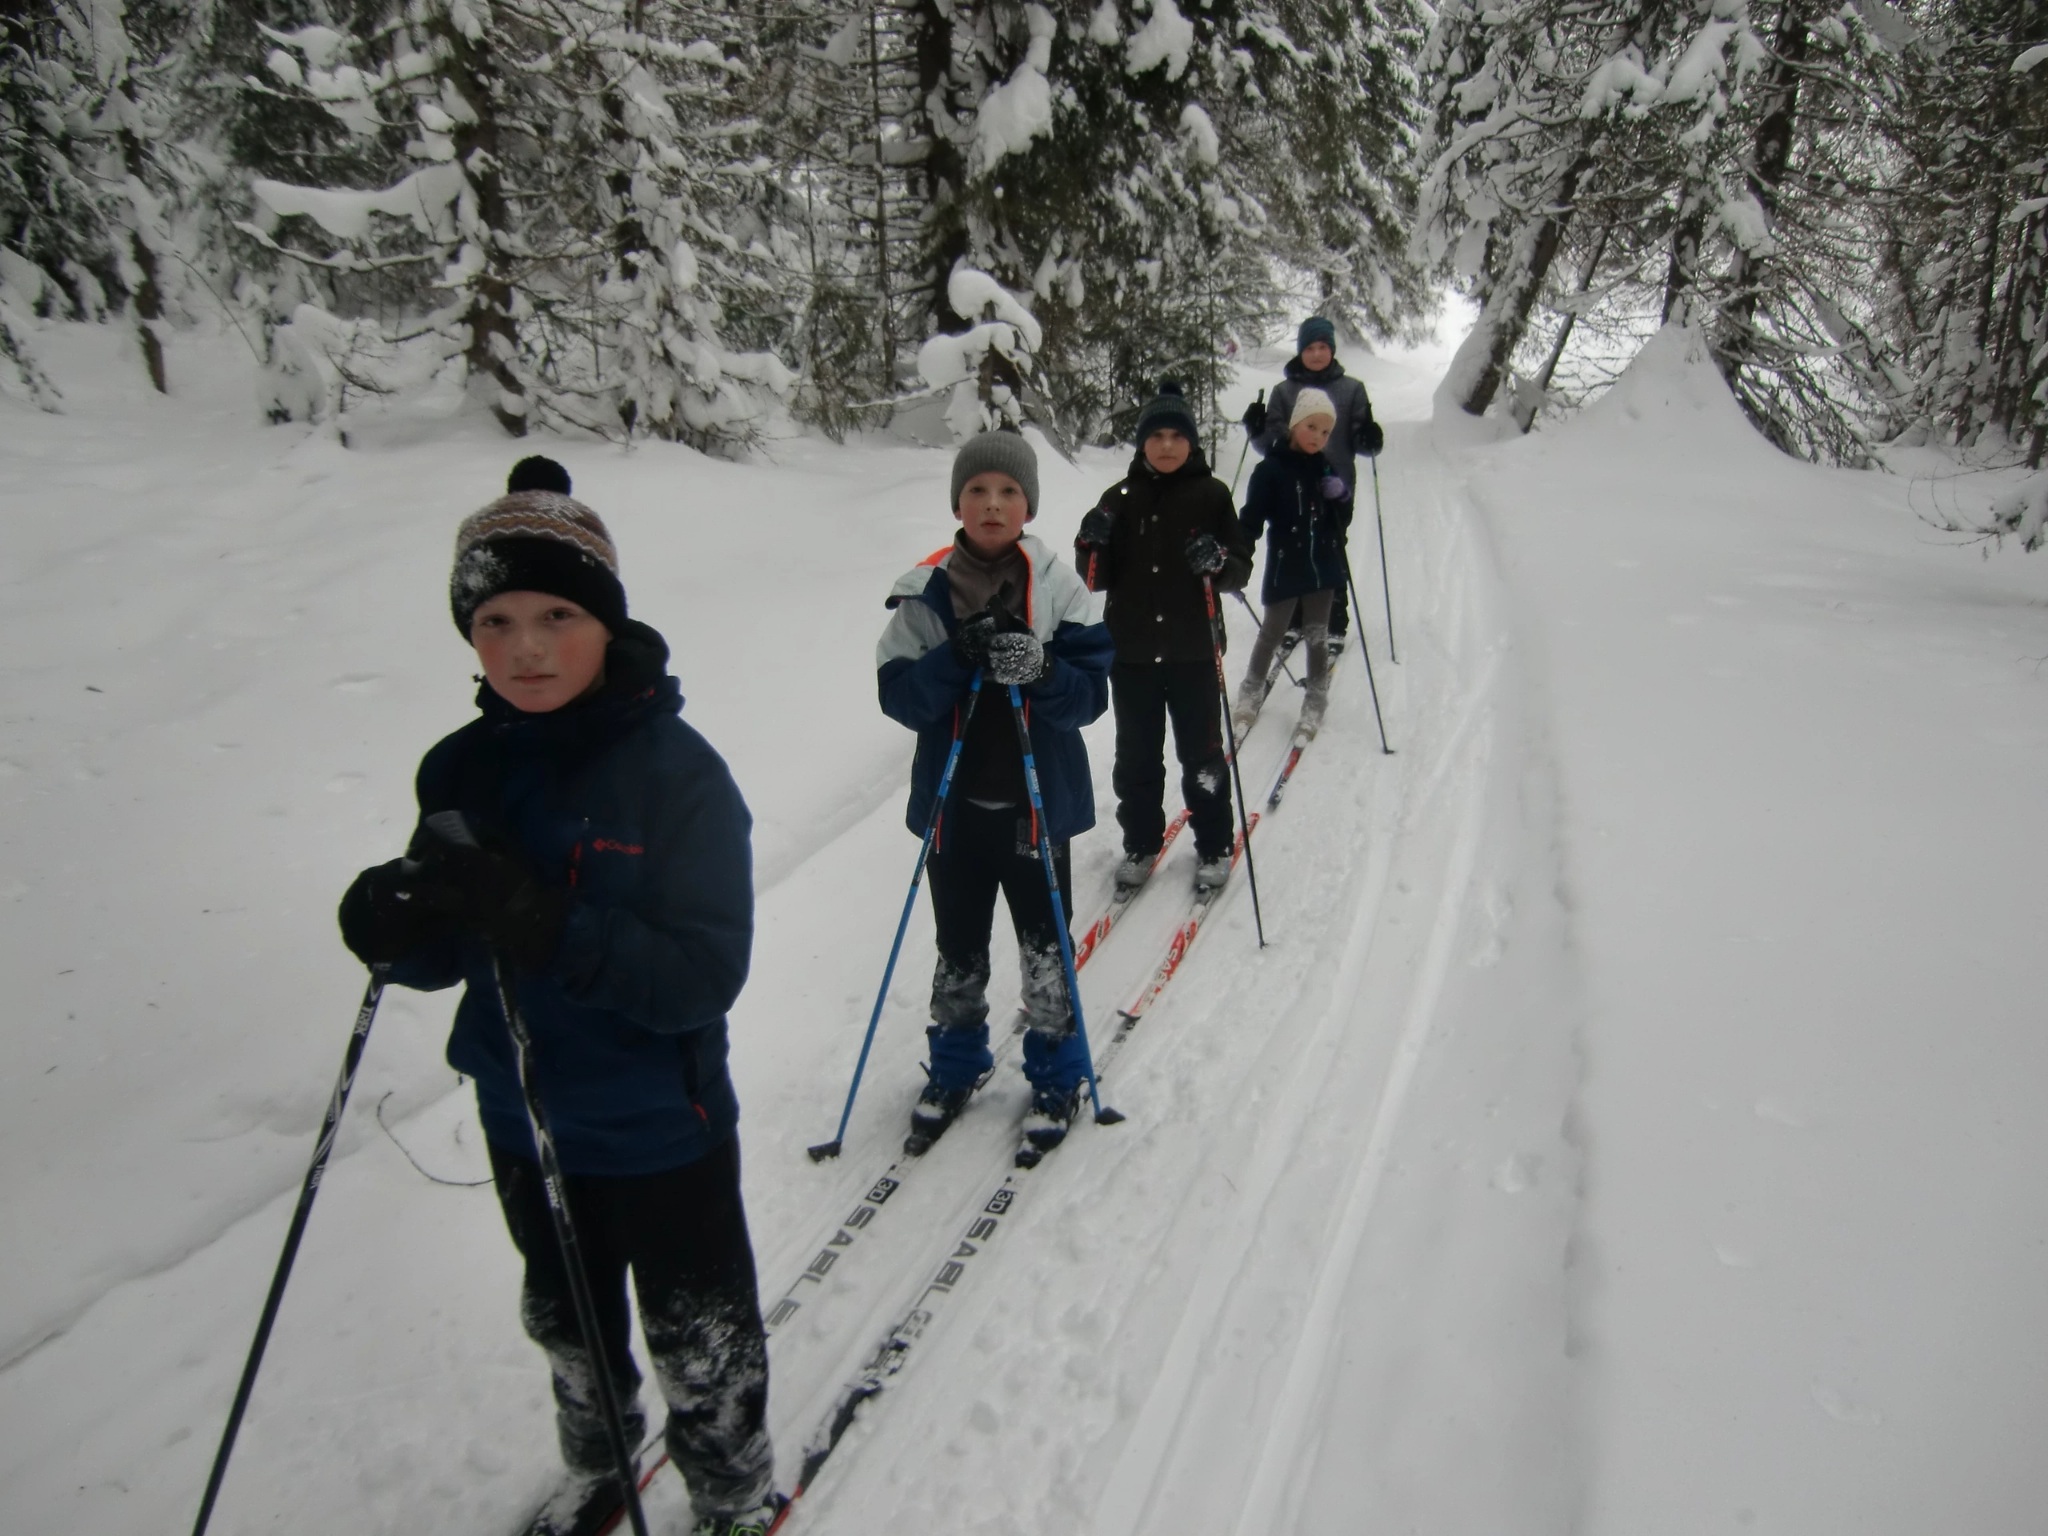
(923, 684)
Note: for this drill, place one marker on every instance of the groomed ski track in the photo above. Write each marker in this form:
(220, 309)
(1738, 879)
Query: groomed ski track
(1154, 1343)
(1264, 1299)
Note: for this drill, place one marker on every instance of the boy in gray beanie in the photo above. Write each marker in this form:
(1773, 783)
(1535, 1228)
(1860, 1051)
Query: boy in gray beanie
(996, 605)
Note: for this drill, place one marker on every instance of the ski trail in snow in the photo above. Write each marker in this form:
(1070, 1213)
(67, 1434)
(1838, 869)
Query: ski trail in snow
(1288, 1427)
(1124, 1502)
(1179, 1407)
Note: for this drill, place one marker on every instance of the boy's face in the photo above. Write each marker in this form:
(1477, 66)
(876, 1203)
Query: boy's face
(1310, 435)
(538, 651)
(1167, 449)
(1315, 357)
(992, 512)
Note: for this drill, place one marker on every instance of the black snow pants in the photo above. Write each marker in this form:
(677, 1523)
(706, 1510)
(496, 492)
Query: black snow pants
(982, 852)
(1144, 695)
(683, 1234)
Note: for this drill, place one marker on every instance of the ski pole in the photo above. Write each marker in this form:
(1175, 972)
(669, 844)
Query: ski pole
(452, 827)
(1365, 651)
(1386, 588)
(825, 1149)
(1247, 448)
(1103, 1116)
(1230, 735)
(337, 1101)
(557, 1190)
(1283, 660)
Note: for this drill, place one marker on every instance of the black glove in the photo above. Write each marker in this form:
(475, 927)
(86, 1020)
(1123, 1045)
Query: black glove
(1205, 554)
(1372, 439)
(489, 891)
(1254, 417)
(1096, 529)
(386, 915)
(970, 640)
(1018, 659)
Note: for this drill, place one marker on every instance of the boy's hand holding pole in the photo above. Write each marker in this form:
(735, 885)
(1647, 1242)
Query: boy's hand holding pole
(492, 894)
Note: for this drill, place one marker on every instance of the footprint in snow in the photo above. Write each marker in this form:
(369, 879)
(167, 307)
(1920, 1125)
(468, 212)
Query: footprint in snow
(358, 682)
(1775, 1113)
(1517, 1173)
(1838, 1405)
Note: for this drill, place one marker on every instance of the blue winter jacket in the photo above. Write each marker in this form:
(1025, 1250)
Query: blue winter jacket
(924, 685)
(619, 801)
(1304, 531)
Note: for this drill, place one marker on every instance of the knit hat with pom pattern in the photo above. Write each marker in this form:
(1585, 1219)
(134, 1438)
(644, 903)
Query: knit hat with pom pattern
(536, 541)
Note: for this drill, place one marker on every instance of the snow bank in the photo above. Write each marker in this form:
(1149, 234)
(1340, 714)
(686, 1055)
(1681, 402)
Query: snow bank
(1673, 389)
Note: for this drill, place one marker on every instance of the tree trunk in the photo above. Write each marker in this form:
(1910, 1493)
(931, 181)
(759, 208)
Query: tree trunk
(1481, 363)
(493, 341)
(149, 294)
(1735, 342)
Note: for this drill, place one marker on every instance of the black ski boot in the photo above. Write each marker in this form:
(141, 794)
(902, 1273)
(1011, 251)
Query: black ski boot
(936, 1109)
(583, 1506)
(1045, 1127)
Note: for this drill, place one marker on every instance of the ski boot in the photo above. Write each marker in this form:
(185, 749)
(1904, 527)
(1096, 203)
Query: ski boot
(753, 1522)
(935, 1110)
(585, 1505)
(1045, 1127)
(1210, 874)
(1133, 872)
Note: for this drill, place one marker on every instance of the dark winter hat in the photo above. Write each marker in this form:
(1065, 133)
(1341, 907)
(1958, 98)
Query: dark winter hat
(1002, 453)
(535, 473)
(1168, 408)
(1314, 329)
(536, 541)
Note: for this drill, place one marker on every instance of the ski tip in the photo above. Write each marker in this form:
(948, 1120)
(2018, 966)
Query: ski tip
(1108, 1116)
(823, 1150)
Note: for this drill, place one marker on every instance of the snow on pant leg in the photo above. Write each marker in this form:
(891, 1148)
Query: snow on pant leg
(548, 1309)
(1315, 635)
(693, 1271)
(1138, 694)
(1271, 628)
(1052, 1048)
(965, 875)
(1340, 610)
(1197, 710)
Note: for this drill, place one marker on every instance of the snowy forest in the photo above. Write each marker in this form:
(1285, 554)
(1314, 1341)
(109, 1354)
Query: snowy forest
(677, 219)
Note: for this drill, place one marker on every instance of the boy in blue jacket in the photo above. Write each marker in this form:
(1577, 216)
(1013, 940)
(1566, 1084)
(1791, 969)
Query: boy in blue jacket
(999, 601)
(613, 877)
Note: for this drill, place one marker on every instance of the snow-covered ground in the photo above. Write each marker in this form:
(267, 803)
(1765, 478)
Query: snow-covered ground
(1634, 1124)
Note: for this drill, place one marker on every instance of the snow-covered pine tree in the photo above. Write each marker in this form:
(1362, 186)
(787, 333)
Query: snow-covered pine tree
(1962, 214)
(91, 192)
(572, 181)
(1339, 78)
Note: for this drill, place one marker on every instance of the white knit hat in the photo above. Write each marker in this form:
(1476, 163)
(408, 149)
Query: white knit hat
(1311, 402)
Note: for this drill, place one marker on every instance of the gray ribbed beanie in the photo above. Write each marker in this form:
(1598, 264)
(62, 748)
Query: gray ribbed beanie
(1004, 453)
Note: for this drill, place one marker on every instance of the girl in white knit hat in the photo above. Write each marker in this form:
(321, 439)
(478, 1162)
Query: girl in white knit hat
(1301, 507)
